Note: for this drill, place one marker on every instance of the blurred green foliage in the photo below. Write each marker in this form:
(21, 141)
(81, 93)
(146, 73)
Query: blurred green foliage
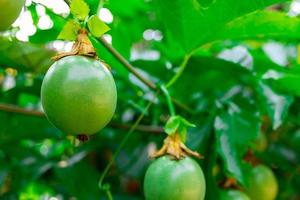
(242, 80)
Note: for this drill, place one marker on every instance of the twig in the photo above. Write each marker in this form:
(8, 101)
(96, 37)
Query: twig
(16, 109)
(119, 57)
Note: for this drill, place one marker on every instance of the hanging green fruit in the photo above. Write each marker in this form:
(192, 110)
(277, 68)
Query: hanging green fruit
(78, 92)
(262, 183)
(171, 179)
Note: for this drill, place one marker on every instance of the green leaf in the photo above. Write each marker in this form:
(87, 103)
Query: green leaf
(235, 130)
(287, 82)
(16, 127)
(261, 24)
(70, 31)
(205, 3)
(187, 123)
(68, 176)
(208, 70)
(24, 56)
(130, 9)
(182, 131)
(192, 25)
(172, 125)
(79, 9)
(276, 105)
(93, 5)
(178, 124)
(96, 26)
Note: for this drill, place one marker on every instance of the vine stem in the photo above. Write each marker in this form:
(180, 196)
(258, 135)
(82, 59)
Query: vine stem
(109, 195)
(169, 101)
(122, 60)
(123, 142)
(180, 71)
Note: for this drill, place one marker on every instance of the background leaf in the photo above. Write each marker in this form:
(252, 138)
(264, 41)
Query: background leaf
(96, 26)
(69, 31)
(79, 9)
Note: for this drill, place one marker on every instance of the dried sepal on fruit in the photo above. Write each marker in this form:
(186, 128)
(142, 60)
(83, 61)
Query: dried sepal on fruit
(174, 147)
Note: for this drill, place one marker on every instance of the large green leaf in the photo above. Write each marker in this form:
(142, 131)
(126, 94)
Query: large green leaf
(235, 130)
(24, 56)
(191, 25)
(128, 9)
(261, 24)
(70, 177)
(15, 127)
(286, 81)
(220, 74)
(79, 9)
(274, 104)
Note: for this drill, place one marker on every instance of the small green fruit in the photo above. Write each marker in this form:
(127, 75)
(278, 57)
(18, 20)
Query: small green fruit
(10, 10)
(261, 142)
(79, 95)
(168, 179)
(262, 184)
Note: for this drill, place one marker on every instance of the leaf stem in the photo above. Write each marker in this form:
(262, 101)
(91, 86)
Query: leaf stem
(123, 142)
(180, 71)
(169, 101)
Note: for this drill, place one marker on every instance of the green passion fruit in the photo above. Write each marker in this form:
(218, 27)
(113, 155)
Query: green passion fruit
(10, 10)
(79, 95)
(233, 195)
(262, 184)
(168, 179)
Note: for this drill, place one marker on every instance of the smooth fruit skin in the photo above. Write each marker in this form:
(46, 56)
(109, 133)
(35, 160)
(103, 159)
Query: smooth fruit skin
(262, 184)
(10, 10)
(168, 179)
(79, 95)
(233, 195)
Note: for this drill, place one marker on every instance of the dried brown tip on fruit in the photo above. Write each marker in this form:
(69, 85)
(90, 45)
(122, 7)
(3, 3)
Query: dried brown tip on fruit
(82, 137)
